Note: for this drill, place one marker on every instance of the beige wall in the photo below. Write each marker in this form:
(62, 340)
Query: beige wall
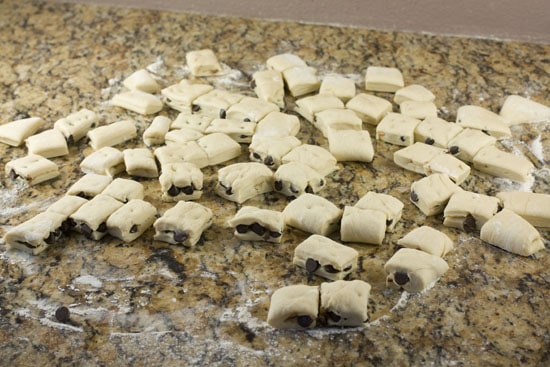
(524, 20)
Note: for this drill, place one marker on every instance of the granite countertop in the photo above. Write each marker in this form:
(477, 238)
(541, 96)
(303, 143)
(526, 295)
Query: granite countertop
(151, 303)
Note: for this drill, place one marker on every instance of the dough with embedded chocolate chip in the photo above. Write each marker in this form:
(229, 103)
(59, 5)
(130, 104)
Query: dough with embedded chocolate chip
(183, 224)
(255, 224)
(294, 307)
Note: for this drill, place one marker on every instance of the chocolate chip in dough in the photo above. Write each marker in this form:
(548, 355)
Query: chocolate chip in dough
(50, 239)
(252, 84)
(275, 234)
(62, 314)
(311, 265)
(102, 227)
(223, 113)
(278, 185)
(429, 141)
(13, 175)
(469, 224)
(308, 189)
(256, 156)
(86, 230)
(173, 191)
(402, 138)
(454, 149)
(180, 236)
(389, 222)
(268, 161)
(304, 321)
(134, 228)
(229, 191)
(187, 190)
(401, 278)
(242, 228)
(195, 108)
(70, 140)
(330, 269)
(333, 316)
(246, 119)
(257, 228)
(414, 196)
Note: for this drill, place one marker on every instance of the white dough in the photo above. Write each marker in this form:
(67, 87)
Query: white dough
(154, 134)
(282, 62)
(255, 224)
(141, 80)
(15, 132)
(499, 163)
(33, 168)
(457, 170)
(427, 239)
(518, 110)
(389, 205)
(105, 161)
(278, 124)
(140, 162)
(237, 129)
(269, 86)
(314, 156)
(313, 214)
(190, 152)
(466, 144)
(436, 131)
(418, 109)
(350, 145)
(371, 109)
(219, 148)
(213, 102)
(131, 220)
(183, 135)
(475, 117)
(533, 207)
(295, 178)
(181, 96)
(308, 107)
(294, 307)
(270, 150)
(415, 157)
(430, 194)
(197, 121)
(138, 101)
(48, 144)
(397, 129)
(90, 219)
(203, 62)
(337, 119)
(181, 181)
(344, 303)
(239, 182)
(413, 92)
(124, 190)
(251, 109)
(89, 185)
(75, 126)
(469, 211)
(383, 79)
(338, 86)
(36, 234)
(301, 80)
(112, 134)
(183, 224)
(363, 225)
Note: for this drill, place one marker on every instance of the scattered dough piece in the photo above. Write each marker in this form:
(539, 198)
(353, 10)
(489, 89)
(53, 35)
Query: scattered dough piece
(181, 181)
(457, 170)
(269, 86)
(181, 96)
(397, 129)
(295, 178)
(183, 135)
(344, 303)
(430, 194)
(413, 92)
(196, 121)
(255, 224)
(203, 62)
(518, 110)
(190, 152)
(336, 119)
(499, 163)
(36, 234)
(89, 185)
(313, 214)
(363, 225)
(15, 132)
(512, 233)
(183, 224)
(137, 101)
(213, 102)
(301, 80)
(154, 134)
(124, 190)
(140, 162)
(326, 258)
(91, 218)
(436, 131)
(250, 109)
(388, 204)
(414, 270)
(383, 79)
(338, 86)
(112, 134)
(418, 109)
(269, 150)
(33, 168)
(239, 182)
(48, 144)
(141, 80)
(293, 307)
(429, 240)
(479, 118)
(468, 143)
(282, 62)
(105, 161)
(469, 211)
(75, 126)
(308, 107)
(533, 207)
(131, 220)
(219, 148)
(371, 109)
(278, 124)
(350, 145)
(415, 157)
(237, 129)
(314, 156)
(67, 205)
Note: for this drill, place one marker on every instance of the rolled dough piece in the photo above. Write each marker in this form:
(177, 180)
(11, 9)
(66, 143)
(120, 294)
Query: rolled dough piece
(436, 131)
(350, 145)
(255, 224)
(105, 161)
(312, 213)
(269, 86)
(15, 132)
(337, 119)
(413, 92)
(285, 61)
(278, 124)
(383, 79)
(112, 134)
(371, 109)
(181, 96)
(239, 182)
(203, 62)
(189, 152)
(363, 225)
(294, 307)
(270, 150)
(469, 211)
(251, 109)
(415, 157)
(338, 86)
(181, 181)
(140, 162)
(213, 102)
(131, 220)
(32, 168)
(89, 185)
(388, 204)
(314, 156)
(466, 144)
(418, 109)
(183, 224)
(427, 239)
(475, 117)
(138, 101)
(91, 218)
(397, 129)
(50, 143)
(430, 194)
(197, 121)
(518, 110)
(36, 234)
(75, 126)
(499, 163)
(301, 80)
(124, 190)
(533, 207)
(296, 178)
(219, 148)
(344, 303)
(308, 107)
(154, 134)
(237, 129)
(141, 80)
(457, 170)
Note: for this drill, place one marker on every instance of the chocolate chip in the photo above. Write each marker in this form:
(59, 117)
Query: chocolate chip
(414, 196)
(67, 224)
(195, 108)
(294, 189)
(308, 189)
(62, 314)
(50, 239)
(330, 269)
(180, 236)
(429, 141)
(13, 175)
(454, 149)
(187, 190)
(229, 191)
(347, 268)
(485, 132)
(86, 230)
(401, 278)
(246, 119)
(70, 140)
(257, 228)
(173, 191)
(333, 316)
(102, 227)
(469, 224)
(389, 222)
(134, 228)
(83, 195)
(278, 184)
(256, 156)
(311, 265)
(242, 228)
(402, 138)
(268, 161)
(275, 234)
(304, 321)
(252, 84)
(223, 113)
(321, 182)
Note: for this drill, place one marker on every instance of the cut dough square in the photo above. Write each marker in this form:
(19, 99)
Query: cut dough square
(397, 129)
(344, 303)
(213, 102)
(418, 109)
(466, 144)
(15, 132)
(295, 178)
(67, 205)
(190, 152)
(429, 240)
(36, 234)
(183, 224)
(338, 86)
(413, 92)
(457, 170)
(181, 181)
(89, 185)
(469, 211)
(140, 162)
(239, 182)
(415, 157)
(219, 148)
(269, 150)
(154, 134)
(294, 307)
(308, 107)
(350, 145)
(282, 62)
(91, 218)
(313, 214)
(414, 270)
(203, 62)
(430, 194)
(371, 109)
(141, 80)
(181, 136)
(181, 96)
(105, 161)
(391, 206)
(131, 220)
(138, 101)
(436, 131)
(196, 121)
(269, 86)
(255, 224)
(533, 207)
(383, 79)
(475, 117)
(499, 163)
(32, 168)
(518, 110)
(250, 109)
(278, 124)
(321, 256)
(314, 156)
(363, 225)
(48, 144)
(112, 134)
(510, 232)
(75, 126)
(301, 80)
(336, 119)
(237, 129)
(124, 190)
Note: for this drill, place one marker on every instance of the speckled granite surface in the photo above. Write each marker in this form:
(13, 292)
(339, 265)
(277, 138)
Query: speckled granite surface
(150, 303)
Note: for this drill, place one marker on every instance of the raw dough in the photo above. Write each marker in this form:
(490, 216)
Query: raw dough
(112, 134)
(269, 150)
(255, 224)
(466, 144)
(518, 110)
(239, 182)
(181, 181)
(219, 148)
(430, 194)
(469, 211)
(295, 178)
(457, 170)
(363, 225)
(124, 190)
(418, 109)
(33, 168)
(237, 129)
(312, 213)
(338, 86)
(181, 96)
(336, 119)
(141, 80)
(213, 102)
(138, 101)
(75, 126)
(269, 86)
(154, 134)
(203, 62)
(282, 62)
(436, 131)
(50, 143)
(183, 135)
(197, 121)
(91, 218)
(415, 157)
(107, 160)
(397, 129)
(293, 307)
(36, 234)
(15, 132)
(140, 162)
(479, 118)
(131, 220)
(278, 124)
(344, 303)
(301, 80)
(499, 163)
(190, 152)
(89, 185)
(427, 239)
(308, 107)
(388, 204)
(350, 145)
(314, 156)
(533, 207)
(251, 109)
(371, 109)
(383, 79)
(413, 92)
(183, 224)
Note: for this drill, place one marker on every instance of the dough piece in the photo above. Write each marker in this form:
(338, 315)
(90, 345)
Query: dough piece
(533, 207)
(131, 220)
(479, 118)
(518, 110)
(363, 225)
(36, 234)
(269, 150)
(418, 109)
(48, 144)
(237, 129)
(154, 134)
(389, 205)
(282, 62)
(308, 107)
(383, 79)
(105, 161)
(250, 109)
(469, 211)
(183, 224)
(15, 132)
(141, 80)
(89, 185)
(313, 214)
(181, 181)
(344, 303)
(124, 190)
(294, 307)
(415, 157)
(314, 156)
(91, 218)
(371, 109)
(219, 148)
(137, 101)
(255, 224)
(397, 129)
(295, 178)
(278, 124)
(181, 96)
(436, 131)
(140, 162)
(67, 205)
(239, 182)
(183, 135)
(338, 86)
(75, 126)
(326, 258)
(468, 143)
(512, 233)
(190, 152)
(413, 92)
(457, 170)
(499, 163)
(301, 80)
(112, 134)
(414, 270)
(203, 63)
(337, 119)
(429, 240)
(350, 145)
(32, 168)
(196, 121)
(269, 86)
(430, 194)
(213, 102)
